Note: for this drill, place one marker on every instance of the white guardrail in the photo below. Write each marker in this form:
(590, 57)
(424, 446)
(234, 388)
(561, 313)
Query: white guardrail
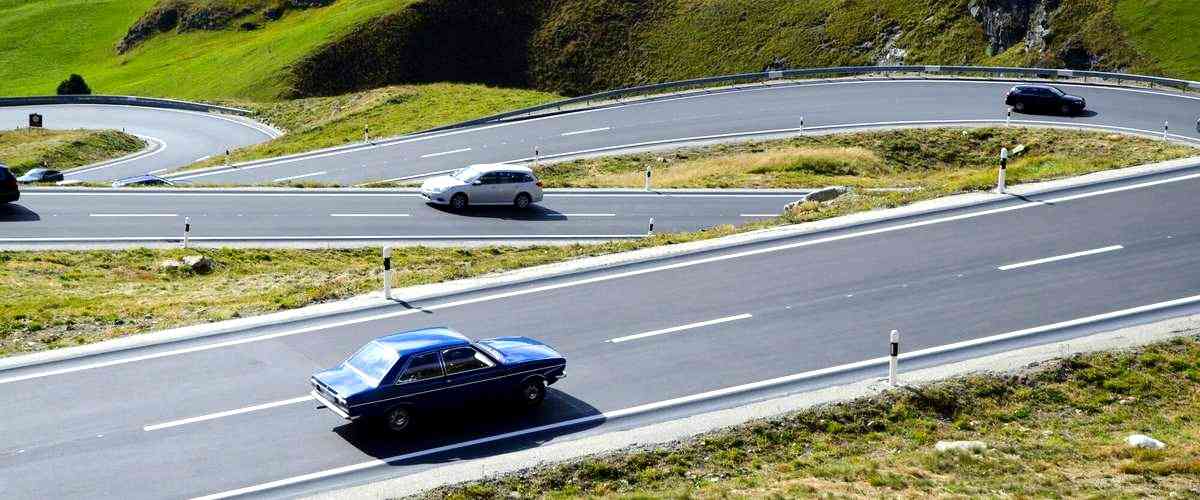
(123, 100)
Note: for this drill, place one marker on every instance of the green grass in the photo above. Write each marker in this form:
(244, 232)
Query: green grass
(565, 47)
(1056, 431)
(321, 122)
(23, 149)
(944, 160)
(42, 41)
(63, 298)
(1163, 31)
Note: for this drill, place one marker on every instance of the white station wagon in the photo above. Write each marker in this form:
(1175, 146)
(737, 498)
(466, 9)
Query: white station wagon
(485, 184)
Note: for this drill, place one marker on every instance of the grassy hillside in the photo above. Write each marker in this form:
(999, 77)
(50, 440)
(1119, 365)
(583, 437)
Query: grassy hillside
(23, 149)
(249, 50)
(1165, 33)
(42, 41)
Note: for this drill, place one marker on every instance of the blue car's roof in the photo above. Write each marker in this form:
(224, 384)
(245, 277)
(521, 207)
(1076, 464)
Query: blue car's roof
(406, 343)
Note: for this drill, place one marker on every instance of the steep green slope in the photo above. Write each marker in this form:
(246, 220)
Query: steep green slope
(265, 50)
(1164, 31)
(42, 41)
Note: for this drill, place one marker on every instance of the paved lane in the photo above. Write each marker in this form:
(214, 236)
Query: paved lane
(766, 111)
(69, 217)
(801, 304)
(177, 137)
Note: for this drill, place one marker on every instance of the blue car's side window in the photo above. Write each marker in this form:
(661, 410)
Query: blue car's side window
(465, 359)
(422, 367)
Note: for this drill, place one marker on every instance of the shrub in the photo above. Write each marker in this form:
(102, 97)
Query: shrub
(74, 85)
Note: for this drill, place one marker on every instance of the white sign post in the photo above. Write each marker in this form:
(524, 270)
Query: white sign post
(895, 340)
(1003, 168)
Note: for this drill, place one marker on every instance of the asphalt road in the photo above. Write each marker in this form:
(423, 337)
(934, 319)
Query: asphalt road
(110, 426)
(755, 111)
(83, 217)
(176, 138)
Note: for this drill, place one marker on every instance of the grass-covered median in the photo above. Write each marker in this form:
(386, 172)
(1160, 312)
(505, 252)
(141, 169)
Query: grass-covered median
(1052, 432)
(52, 299)
(941, 159)
(27, 148)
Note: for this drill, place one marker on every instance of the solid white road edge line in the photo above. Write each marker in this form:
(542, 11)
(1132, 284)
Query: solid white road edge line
(1059, 257)
(410, 195)
(368, 215)
(588, 131)
(680, 328)
(301, 176)
(760, 215)
(444, 153)
(133, 215)
(646, 408)
(213, 416)
(588, 215)
(403, 237)
(598, 279)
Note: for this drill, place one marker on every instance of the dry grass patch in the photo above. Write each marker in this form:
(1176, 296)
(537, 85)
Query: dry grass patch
(945, 159)
(27, 148)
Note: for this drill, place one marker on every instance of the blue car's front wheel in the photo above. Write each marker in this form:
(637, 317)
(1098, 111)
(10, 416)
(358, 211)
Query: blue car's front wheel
(533, 391)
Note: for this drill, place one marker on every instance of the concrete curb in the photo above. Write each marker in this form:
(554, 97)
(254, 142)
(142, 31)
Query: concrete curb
(667, 432)
(590, 264)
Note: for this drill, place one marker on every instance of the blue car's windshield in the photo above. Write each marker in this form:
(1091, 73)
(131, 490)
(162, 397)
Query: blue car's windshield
(372, 362)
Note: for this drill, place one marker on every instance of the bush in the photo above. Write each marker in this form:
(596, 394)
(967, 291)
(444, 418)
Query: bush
(74, 85)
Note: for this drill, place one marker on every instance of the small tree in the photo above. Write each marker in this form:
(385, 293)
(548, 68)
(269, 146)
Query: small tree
(74, 85)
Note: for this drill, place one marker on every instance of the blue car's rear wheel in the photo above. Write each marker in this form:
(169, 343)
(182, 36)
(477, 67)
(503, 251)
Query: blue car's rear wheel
(533, 392)
(398, 419)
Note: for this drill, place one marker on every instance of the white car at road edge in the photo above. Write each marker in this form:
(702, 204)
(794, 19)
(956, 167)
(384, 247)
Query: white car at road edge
(484, 184)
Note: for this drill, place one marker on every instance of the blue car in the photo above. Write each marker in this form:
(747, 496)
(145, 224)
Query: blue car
(405, 375)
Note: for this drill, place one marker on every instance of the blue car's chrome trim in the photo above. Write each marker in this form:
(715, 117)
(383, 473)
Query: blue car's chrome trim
(332, 407)
(546, 369)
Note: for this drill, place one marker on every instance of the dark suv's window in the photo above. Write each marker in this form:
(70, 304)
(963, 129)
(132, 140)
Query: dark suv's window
(422, 367)
(462, 359)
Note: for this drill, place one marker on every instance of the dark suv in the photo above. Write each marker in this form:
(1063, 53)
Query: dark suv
(8, 186)
(1024, 98)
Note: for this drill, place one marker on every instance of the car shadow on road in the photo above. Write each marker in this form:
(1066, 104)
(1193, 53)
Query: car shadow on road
(533, 213)
(433, 441)
(12, 212)
(1087, 113)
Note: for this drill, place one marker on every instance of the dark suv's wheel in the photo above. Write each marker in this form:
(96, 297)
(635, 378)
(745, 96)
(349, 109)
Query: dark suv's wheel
(458, 201)
(532, 393)
(1019, 106)
(398, 419)
(1066, 109)
(523, 201)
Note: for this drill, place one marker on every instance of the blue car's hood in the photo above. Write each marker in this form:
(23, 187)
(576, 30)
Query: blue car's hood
(522, 349)
(342, 380)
